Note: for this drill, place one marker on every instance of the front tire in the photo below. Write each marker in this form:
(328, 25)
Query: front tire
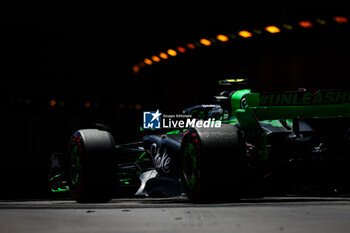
(91, 166)
(212, 165)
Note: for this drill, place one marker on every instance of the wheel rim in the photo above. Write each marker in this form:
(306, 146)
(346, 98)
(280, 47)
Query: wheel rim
(190, 166)
(75, 162)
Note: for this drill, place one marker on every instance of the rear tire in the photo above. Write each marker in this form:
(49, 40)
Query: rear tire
(212, 165)
(91, 166)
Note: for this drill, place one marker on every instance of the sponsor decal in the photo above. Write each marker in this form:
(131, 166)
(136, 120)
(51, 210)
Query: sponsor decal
(157, 120)
(161, 159)
(305, 98)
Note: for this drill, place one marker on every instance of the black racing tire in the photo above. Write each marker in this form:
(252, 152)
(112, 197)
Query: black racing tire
(212, 164)
(90, 167)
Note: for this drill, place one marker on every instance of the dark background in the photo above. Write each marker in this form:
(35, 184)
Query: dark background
(85, 65)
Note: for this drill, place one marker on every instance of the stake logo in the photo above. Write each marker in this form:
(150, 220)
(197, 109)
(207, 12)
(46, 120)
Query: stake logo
(151, 120)
(161, 158)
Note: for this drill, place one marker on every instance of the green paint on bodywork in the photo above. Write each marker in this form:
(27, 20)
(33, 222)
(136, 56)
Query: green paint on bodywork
(173, 132)
(237, 99)
(253, 131)
(257, 112)
(295, 111)
(59, 190)
(142, 129)
(274, 123)
(126, 179)
(142, 155)
(289, 122)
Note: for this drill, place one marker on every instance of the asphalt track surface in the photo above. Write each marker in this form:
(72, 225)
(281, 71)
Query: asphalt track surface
(278, 214)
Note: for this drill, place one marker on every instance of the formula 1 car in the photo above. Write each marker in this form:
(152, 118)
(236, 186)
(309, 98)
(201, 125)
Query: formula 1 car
(221, 152)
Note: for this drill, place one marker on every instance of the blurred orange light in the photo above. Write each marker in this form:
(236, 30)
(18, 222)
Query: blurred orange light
(272, 29)
(205, 42)
(163, 55)
(305, 24)
(87, 104)
(340, 19)
(222, 38)
(138, 106)
(245, 34)
(172, 52)
(135, 68)
(155, 59)
(53, 103)
(148, 61)
(181, 49)
(191, 46)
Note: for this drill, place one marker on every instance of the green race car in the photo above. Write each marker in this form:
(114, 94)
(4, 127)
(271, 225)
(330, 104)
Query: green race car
(243, 144)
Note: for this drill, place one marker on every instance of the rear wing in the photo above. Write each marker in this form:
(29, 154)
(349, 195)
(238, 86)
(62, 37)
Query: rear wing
(299, 104)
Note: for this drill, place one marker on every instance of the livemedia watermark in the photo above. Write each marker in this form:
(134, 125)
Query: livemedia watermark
(157, 120)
